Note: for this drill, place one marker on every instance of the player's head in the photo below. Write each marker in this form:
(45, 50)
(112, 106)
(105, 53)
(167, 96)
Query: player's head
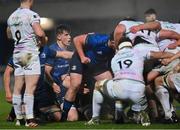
(124, 42)
(150, 15)
(63, 34)
(27, 2)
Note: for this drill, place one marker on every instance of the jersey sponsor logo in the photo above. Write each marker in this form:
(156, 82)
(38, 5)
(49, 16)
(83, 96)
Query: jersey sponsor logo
(26, 68)
(99, 52)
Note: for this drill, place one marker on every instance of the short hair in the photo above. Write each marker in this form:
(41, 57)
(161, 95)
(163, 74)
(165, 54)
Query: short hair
(150, 11)
(61, 28)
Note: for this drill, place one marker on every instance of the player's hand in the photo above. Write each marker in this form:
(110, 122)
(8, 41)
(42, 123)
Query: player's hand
(166, 61)
(56, 88)
(85, 60)
(9, 97)
(86, 90)
(172, 46)
(134, 29)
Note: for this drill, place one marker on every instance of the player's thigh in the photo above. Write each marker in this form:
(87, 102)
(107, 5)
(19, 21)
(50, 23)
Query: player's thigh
(104, 75)
(115, 89)
(31, 83)
(18, 84)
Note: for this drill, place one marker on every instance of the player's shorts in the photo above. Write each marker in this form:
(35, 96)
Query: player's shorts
(175, 78)
(165, 69)
(125, 89)
(77, 67)
(26, 64)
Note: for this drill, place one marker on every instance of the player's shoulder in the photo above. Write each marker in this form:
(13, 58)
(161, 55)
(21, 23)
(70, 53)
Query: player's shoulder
(53, 46)
(129, 22)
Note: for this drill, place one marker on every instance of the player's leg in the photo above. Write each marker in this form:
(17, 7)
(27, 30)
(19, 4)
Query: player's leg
(163, 96)
(17, 97)
(76, 70)
(97, 101)
(31, 84)
(137, 95)
(32, 72)
(72, 114)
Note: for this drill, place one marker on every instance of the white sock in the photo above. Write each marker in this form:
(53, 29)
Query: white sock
(163, 96)
(118, 106)
(97, 102)
(17, 102)
(29, 103)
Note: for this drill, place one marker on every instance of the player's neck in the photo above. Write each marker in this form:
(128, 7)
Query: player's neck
(61, 45)
(25, 6)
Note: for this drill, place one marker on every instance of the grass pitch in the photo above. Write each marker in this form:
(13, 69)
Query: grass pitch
(5, 108)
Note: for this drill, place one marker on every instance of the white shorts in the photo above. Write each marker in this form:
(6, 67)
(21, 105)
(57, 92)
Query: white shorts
(26, 64)
(165, 69)
(125, 89)
(175, 78)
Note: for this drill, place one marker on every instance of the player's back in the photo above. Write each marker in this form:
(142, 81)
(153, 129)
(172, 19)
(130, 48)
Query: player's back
(163, 44)
(147, 35)
(128, 64)
(20, 23)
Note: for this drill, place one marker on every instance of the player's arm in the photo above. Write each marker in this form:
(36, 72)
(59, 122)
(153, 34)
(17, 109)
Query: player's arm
(79, 42)
(169, 60)
(40, 33)
(168, 34)
(160, 55)
(118, 33)
(64, 54)
(7, 78)
(153, 26)
(48, 70)
(8, 32)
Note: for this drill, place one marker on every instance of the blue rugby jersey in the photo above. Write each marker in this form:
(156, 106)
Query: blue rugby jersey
(60, 65)
(97, 49)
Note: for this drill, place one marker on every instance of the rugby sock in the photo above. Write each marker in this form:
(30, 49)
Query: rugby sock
(163, 96)
(66, 107)
(97, 102)
(29, 103)
(17, 106)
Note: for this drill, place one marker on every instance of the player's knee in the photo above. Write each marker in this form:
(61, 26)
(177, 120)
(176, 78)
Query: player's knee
(151, 76)
(72, 115)
(158, 82)
(99, 84)
(57, 116)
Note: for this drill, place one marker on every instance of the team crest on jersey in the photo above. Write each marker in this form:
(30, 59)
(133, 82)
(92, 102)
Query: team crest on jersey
(34, 16)
(73, 67)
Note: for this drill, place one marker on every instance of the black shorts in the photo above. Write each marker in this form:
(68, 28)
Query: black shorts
(44, 97)
(87, 69)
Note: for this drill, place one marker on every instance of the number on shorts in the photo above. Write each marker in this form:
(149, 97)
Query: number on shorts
(18, 36)
(126, 63)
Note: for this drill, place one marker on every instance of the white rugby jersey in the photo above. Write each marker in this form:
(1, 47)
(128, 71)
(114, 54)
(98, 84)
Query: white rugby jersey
(128, 63)
(168, 26)
(20, 23)
(147, 35)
